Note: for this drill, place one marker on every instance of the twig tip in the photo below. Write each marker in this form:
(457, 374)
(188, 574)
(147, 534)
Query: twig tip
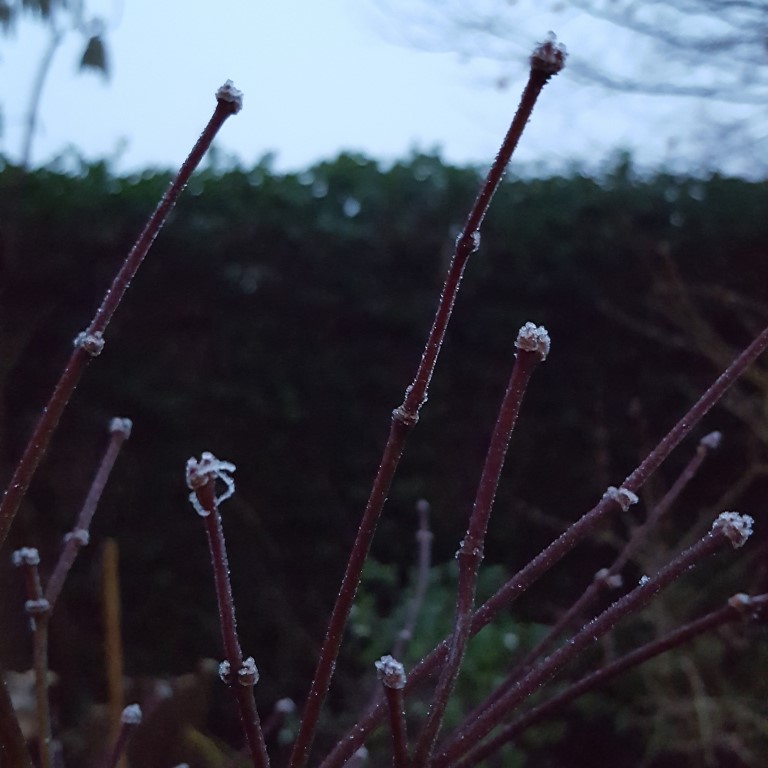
(534, 338)
(231, 95)
(549, 56)
(736, 527)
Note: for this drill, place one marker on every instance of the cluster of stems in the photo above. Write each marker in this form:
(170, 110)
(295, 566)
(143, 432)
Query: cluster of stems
(495, 721)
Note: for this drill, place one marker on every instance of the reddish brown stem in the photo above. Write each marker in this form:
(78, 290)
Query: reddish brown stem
(392, 676)
(406, 415)
(736, 609)
(119, 429)
(129, 721)
(521, 581)
(470, 552)
(236, 671)
(473, 732)
(89, 343)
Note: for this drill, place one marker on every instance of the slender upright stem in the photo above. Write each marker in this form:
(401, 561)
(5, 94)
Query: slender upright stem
(241, 674)
(606, 577)
(521, 581)
(736, 609)
(470, 552)
(113, 644)
(720, 535)
(39, 610)
(90, 342)
(120, 430)
(545, 62)
(391, 673)
(129, 721)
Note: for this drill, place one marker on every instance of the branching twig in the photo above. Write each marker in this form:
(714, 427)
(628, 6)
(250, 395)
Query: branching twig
(547, 60)
(89, 343)
(728, 528)
(737, 608)
(120, 431)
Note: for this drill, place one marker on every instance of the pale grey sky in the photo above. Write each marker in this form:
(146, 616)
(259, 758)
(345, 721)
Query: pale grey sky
(317, 78)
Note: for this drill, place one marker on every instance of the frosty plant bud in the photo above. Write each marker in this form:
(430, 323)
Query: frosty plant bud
(549, 56)
(391, 672)
(208, 470)
(534, 338)
(92, 343)
(248, 674)
(712, 440)
(624, 498)
(123, 426)
(25, 556)
(231, 95)
(736, 527)
(131, 715)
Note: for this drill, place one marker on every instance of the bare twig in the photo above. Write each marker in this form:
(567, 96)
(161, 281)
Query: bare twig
(547, 60)
(392, 676)
(89, 343)
(120, 430)
(129, 721)
(533, 346)
(39, 611)
(201, 478)
(728, 528)
(738, 608)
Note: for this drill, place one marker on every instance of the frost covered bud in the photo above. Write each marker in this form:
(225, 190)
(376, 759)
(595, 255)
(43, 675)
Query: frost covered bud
(736, 527)
(231, 95)
(37, 607)
(534, 338)
(248, 674)
(25, 556)
(123, 426)
(225, 672)
(549, 56)
(712, 440)
(79, 535)
(92, 343)
(624, 498)
(391, 672)
(131, 715)
(208, 469)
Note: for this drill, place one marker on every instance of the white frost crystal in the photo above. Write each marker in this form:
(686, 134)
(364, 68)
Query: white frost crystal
(208, 469)
(121, 425)
(92, 343)
(737, 528)
(391, 672)
(25, 556)
(623, 497)
(229, 93)
(534, 338)
(712, 440)
(248, 674)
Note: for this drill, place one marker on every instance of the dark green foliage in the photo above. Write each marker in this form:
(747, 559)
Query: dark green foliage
(277, 322)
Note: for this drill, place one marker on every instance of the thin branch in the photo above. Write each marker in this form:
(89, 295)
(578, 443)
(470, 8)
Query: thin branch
(39, 611)
(728, 528)
(120, 430)
(89, 343)
(392, 676)
(521, 581)
(738, 608)
(129, 721)
(201, 478)
(533, 346)
(546, 61)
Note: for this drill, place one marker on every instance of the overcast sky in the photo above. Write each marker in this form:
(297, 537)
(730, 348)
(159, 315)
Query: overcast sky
(319, 77)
